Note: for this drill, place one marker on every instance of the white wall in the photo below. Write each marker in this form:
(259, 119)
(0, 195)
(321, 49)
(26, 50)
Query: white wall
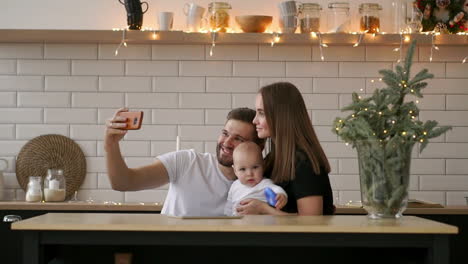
(71, 89)
(108, 14)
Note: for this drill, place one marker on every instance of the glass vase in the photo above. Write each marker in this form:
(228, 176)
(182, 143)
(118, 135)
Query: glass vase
(384, 172)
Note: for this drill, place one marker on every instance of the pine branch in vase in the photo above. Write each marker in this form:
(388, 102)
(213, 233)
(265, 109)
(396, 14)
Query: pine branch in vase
(384, 128)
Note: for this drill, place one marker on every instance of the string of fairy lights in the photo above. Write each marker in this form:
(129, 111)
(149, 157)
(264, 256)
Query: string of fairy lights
(276, 38)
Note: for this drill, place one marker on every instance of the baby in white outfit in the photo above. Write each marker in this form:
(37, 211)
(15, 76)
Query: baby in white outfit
(248, 167)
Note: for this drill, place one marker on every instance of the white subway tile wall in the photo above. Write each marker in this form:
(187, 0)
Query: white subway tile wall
(71, 89)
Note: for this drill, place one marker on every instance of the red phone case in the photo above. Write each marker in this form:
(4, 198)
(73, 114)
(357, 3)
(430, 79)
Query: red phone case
(134, 119)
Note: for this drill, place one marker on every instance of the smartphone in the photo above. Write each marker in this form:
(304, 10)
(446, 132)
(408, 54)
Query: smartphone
(134, 119)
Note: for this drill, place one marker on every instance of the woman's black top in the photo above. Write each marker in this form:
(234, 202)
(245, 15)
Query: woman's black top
(307, 183)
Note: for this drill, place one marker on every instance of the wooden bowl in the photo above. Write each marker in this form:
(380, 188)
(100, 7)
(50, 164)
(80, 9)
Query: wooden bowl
(254, 24)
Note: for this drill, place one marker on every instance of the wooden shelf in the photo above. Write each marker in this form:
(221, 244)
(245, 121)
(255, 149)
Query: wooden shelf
(179, 37)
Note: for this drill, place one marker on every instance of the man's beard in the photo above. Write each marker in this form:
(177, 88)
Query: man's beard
(223, 161)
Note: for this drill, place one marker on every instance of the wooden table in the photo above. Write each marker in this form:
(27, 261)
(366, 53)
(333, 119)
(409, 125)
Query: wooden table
(278, 231)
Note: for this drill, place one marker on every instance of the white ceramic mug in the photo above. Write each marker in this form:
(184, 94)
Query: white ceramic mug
(166, 20)
(194, 14)
(1, 177)
(288, 8)
(288, 24)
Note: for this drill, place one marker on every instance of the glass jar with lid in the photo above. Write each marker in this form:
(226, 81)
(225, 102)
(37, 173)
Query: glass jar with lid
(370, 17)
(34, 189)
(309, 17)
(54, 186)
(338, 17)
(218, 16)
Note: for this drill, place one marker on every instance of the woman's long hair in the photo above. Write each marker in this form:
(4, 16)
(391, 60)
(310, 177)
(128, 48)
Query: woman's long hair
(290, 128)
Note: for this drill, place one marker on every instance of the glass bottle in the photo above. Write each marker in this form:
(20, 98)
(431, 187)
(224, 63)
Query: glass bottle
(338, 17)
(218, 16)
(414, 18)
(54, 186)
(309, 17)
(370, 17)
(34, 189)
(398, 12)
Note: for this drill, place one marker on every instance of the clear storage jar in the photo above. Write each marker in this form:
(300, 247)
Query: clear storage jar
(218, 16)
(338, 17)
(370, 17)
(34, 189)
(54, 186)
(309, 17)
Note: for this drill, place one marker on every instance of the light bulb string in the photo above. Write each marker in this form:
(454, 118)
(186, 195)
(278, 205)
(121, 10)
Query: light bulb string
(400, 49)
(321, 46)
(213, 42)
(122, 42)
(361, 36)
(275, 38)
(402, 39)
(433, 46)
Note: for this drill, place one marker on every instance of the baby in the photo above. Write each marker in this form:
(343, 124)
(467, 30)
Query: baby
(248, 167)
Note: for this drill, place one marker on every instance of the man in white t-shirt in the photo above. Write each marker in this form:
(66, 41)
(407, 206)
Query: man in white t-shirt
(198, 182)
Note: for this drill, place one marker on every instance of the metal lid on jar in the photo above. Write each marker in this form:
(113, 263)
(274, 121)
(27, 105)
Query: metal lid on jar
(369, 6)
(219, 5)
(339, 5)
(310, 6)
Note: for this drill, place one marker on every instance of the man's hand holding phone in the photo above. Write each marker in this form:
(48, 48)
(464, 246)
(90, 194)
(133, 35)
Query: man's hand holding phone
(117, 126)
(133, 119)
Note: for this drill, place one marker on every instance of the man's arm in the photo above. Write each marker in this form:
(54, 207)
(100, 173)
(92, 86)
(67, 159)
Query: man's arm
(121, 177)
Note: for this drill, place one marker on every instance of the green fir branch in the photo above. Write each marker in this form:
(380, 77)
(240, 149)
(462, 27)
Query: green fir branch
(385, 116)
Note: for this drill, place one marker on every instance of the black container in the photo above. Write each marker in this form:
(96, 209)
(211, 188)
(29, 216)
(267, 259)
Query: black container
(134, 13)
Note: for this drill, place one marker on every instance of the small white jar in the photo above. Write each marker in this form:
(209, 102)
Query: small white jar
(54, 186)
(34, 189)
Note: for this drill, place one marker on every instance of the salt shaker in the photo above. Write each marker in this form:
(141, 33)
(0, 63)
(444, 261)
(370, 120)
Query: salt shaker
(54, 186)
(34, 190)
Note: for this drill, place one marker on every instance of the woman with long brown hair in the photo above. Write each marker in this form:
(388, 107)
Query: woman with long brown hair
(296, 160)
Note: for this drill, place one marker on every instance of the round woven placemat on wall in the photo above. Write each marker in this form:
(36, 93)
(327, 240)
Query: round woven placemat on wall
(52, 151)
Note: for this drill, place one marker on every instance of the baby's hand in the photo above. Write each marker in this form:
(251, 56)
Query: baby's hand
(281, 201)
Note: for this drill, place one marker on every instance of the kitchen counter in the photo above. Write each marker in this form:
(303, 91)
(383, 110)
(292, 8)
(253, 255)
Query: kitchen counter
(81, 206)
(448, 210)
(9, 239)
(156, 207)
(251, 223)
(285, 234)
